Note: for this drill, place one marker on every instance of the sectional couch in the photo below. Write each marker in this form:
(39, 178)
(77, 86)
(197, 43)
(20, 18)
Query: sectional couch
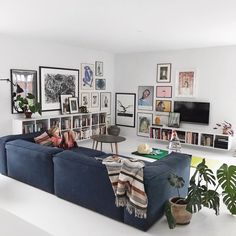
(77, 176)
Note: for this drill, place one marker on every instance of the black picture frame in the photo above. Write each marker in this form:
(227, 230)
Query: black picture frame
(125, 109)
(59, 81)
(22, 78)
(164, 73)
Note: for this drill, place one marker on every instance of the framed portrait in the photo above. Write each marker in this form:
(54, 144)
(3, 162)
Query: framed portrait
(87, 76)
(65, 105)
(24, 81)
(105, 102)
(145, 97)
(174, 119)
(163, 105)
(99, 68)
(164, 73)
(85, 99)
(125, 109)
(185, 83)
(100, 84)
(164, 91)
(144, 122)
(55, 82)
(73, 102)
(94, 100)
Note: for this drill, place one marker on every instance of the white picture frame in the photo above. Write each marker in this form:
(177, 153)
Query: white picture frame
(144, 121)
(65, 104)
(164, 73)
(105, 102)
(95, 100)
(87, 76)
(85, 99)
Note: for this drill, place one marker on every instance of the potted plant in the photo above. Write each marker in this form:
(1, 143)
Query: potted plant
(28, 104)
(202, 192)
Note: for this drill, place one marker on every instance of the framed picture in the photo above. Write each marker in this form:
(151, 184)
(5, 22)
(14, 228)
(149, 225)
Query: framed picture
(108, 121)
(65, 106)
(164, 73)
(174, 119)
(100, 84)
(185, 83)
(87, 76)
(163, 105)
(125, 105)
(105, 102)
(99, 68)
(145, 97)
(144, 122)
(55, 82)
(74, 108)
(94, 100)
(24, 81)
(85, 99)
(164, 91)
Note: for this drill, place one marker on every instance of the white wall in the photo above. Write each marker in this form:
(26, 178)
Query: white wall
(216, 78)
(16, 53)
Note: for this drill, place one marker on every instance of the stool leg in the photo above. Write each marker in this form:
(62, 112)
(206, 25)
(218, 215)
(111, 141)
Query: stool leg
(116, 146)
(96, 145)
(93, 144)
(111, 148)
(101, 146)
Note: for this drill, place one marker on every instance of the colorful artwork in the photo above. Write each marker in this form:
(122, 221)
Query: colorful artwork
(164, 91)
(145, 97)
(163, 105)
(87, 76)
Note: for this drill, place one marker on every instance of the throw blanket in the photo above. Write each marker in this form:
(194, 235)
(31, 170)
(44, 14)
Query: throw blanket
(126, 176)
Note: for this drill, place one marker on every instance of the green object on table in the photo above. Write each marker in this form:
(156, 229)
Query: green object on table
(158, 154)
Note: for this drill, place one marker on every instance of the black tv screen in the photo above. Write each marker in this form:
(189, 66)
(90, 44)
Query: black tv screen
(193, 112)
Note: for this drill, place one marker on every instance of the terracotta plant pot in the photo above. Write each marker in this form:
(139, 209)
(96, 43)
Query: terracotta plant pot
(179, 212)
(28, 114)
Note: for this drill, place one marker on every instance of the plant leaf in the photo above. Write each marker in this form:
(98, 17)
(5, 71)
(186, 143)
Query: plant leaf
(170, 219)
(229, 200)
(211, 200)
(194, 198)
(176, 181)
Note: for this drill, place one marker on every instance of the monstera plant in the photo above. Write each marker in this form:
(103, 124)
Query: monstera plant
(203, 191)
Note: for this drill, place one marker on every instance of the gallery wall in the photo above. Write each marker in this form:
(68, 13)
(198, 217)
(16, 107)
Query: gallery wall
(18, 53)
(215, 74)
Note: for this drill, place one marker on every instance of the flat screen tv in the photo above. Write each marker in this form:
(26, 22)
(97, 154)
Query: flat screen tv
(193, 112)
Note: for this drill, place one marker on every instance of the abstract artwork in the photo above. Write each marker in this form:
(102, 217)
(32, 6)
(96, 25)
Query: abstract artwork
(55, 82)
(87, 76)
(100, 84)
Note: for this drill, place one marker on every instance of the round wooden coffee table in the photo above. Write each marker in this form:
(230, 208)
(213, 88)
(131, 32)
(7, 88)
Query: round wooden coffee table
(105, 138)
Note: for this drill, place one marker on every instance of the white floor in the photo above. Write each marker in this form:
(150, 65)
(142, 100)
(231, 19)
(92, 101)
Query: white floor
(61, 218)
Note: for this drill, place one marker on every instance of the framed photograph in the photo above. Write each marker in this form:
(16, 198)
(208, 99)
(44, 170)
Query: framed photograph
(55, 82)
(100, 84)
(164, 73)
(99, 68)
(105, 102)
(145, 97)
(185, 83)
(94, 100)
(163, 105)
(24, 81)
(74, 108)
(125, 108)
(65, 106)
(144, 122)
(174, 119)
(85, 99)
(164, 91)
(87, 76)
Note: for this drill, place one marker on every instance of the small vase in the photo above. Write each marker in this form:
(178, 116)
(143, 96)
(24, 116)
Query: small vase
(28, 114)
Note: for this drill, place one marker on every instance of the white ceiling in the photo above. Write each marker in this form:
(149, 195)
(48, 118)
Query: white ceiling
(123, 26)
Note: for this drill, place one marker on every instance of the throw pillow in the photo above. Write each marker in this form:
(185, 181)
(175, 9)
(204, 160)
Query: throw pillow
(55, 137)
(43, 139)
(69, 139)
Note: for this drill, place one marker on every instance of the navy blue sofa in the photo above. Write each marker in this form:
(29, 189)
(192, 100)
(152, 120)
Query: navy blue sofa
(75, 175)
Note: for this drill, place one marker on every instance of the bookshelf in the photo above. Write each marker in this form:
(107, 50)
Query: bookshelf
(193, 137)
(84, 124)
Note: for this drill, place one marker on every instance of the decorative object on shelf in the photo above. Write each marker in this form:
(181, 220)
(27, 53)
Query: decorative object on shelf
(105, 102)
(99, 68)
(185, 83)
(87, 76)
(163, 105)
(125, 104)
(201, 194)
(145, 97)
(164, 73)
(29, 105)
(100, 84)
(113, 130)
(73, 102)
(83, 109)
(144, 122)
(55, 82)
(227, 128)
(174, 144)
(164, 91)
(65, 107)
(94, 100)
(85, 99)
(144, 149)
(174, 119)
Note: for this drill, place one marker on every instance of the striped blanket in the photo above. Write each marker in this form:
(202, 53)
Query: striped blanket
(126, 176)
